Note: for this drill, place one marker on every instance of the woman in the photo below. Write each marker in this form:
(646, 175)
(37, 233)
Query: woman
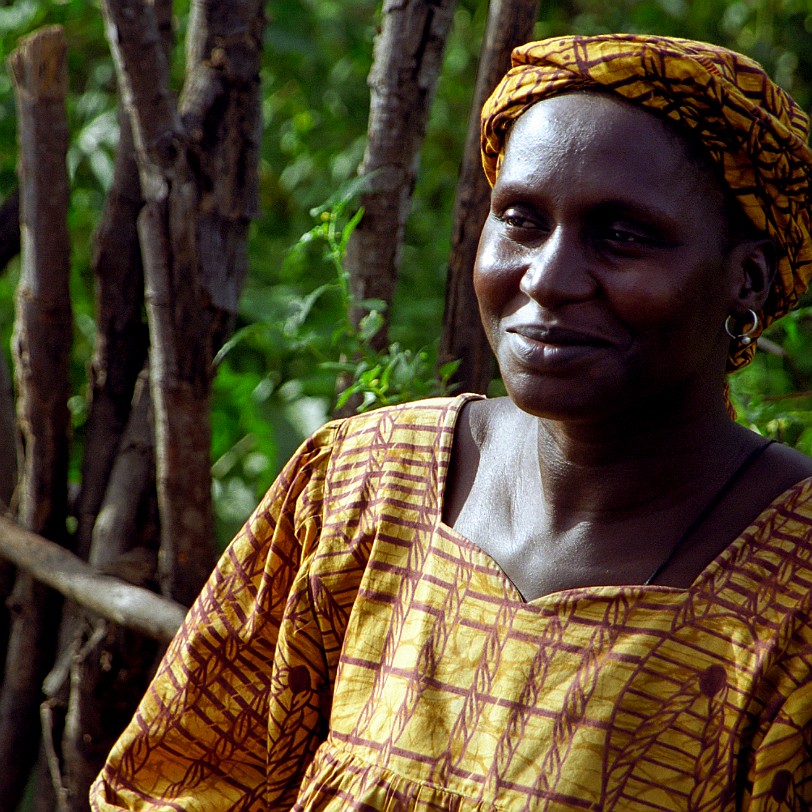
(593, 594)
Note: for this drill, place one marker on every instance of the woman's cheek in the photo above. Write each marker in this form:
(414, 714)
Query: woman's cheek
(497, 270)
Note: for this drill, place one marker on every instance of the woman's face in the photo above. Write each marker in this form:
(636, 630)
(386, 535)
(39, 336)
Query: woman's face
(601, 272)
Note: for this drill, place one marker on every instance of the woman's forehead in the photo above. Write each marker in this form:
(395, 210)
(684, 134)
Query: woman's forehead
(594, 132)
(597, 120)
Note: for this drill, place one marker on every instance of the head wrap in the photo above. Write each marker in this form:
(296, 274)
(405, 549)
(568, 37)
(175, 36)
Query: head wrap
(750, 128)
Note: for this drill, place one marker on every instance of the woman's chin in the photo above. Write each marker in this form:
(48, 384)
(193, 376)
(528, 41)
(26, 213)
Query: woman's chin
(553, 400)
(588, 392)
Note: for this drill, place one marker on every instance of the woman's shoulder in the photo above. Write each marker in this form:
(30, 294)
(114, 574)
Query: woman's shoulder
(784, 467)
(401, 428)
(428, 412)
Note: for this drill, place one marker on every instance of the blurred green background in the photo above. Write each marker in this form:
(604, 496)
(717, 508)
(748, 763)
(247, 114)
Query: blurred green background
(275, 381)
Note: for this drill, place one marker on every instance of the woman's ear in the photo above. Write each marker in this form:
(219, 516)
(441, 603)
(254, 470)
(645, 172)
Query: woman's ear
(753, 265)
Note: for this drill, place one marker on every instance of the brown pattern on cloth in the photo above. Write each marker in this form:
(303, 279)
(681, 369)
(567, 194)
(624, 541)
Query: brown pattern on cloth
(752, 130)
(351, 652)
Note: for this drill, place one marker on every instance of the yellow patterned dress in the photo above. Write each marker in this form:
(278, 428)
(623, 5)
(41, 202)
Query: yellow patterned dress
(351, 652)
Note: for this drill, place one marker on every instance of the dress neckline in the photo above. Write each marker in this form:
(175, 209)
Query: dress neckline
(445, 449)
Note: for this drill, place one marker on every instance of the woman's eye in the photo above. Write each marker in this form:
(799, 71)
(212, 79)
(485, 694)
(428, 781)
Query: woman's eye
(626, 237)
(517, 219)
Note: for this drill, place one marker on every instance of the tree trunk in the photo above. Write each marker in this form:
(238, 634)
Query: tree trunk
(120, 351)
(407, 61)
(510, 23)
(8, 486)
(107, 667)
(198, 173)
(41, 347)
(121, 340)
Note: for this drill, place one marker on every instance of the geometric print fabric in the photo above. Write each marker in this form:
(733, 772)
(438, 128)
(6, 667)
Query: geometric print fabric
(748, 127)
(352, 652)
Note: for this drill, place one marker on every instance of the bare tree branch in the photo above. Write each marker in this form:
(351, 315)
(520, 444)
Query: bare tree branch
(408, 56)
(162, 9)
(143, 71)
(8, 486)
(52, 757)
(41, 346)
(180, 352)
(199, 181)
(103, 670)
(101, 680)
(132, 476)
(510, 23)
(121, 340)
(131, 606)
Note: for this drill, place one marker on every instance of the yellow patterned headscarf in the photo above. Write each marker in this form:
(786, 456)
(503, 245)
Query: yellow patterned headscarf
(751, 129)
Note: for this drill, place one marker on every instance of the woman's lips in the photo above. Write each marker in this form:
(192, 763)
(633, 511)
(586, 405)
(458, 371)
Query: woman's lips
(556, 335)
(546, 347)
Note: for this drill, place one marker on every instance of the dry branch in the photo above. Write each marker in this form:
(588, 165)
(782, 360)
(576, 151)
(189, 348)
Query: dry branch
(510, 23)
(180, 354)
(198, 174)
(8, 437)
(98, 681)
(41, 346)
(407, 60)
(51, 757)
(121, 341)
(131, 606)
(8, 485)
(130, 481)
(103, 669)
(43, 325)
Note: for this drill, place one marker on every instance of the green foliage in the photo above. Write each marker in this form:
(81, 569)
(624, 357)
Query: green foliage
(773, 395)
(371, 377)
(309, 359)
(276, 380)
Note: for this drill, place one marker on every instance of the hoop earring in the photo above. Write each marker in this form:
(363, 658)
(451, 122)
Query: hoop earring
(746, 337)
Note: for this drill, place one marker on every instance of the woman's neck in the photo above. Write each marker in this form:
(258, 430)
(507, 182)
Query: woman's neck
(586, 470)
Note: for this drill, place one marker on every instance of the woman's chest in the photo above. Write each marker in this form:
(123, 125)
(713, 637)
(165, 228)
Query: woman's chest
(448, 678)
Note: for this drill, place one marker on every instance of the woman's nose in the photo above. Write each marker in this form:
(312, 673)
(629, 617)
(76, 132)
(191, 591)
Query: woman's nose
(557, 271)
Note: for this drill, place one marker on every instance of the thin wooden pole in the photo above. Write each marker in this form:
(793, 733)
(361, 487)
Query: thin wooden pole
(41, 347)
(407, 60)
(131, 606)
(510, 23)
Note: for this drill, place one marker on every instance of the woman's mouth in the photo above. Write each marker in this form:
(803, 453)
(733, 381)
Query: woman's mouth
(548, 347)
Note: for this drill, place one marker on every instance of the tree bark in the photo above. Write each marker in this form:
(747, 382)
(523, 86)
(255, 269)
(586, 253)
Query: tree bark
(121, 340)
(221, 112)
(8, 439)
(8, 487)
(110, 662)
(41, 345)
(407, 61)
(111, 597)
(104, 669)
(198, 174)
(132, 481)
(510, 23)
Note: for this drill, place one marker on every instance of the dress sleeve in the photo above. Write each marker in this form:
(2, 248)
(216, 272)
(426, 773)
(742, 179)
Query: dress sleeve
(780, 769)
(239, 704)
